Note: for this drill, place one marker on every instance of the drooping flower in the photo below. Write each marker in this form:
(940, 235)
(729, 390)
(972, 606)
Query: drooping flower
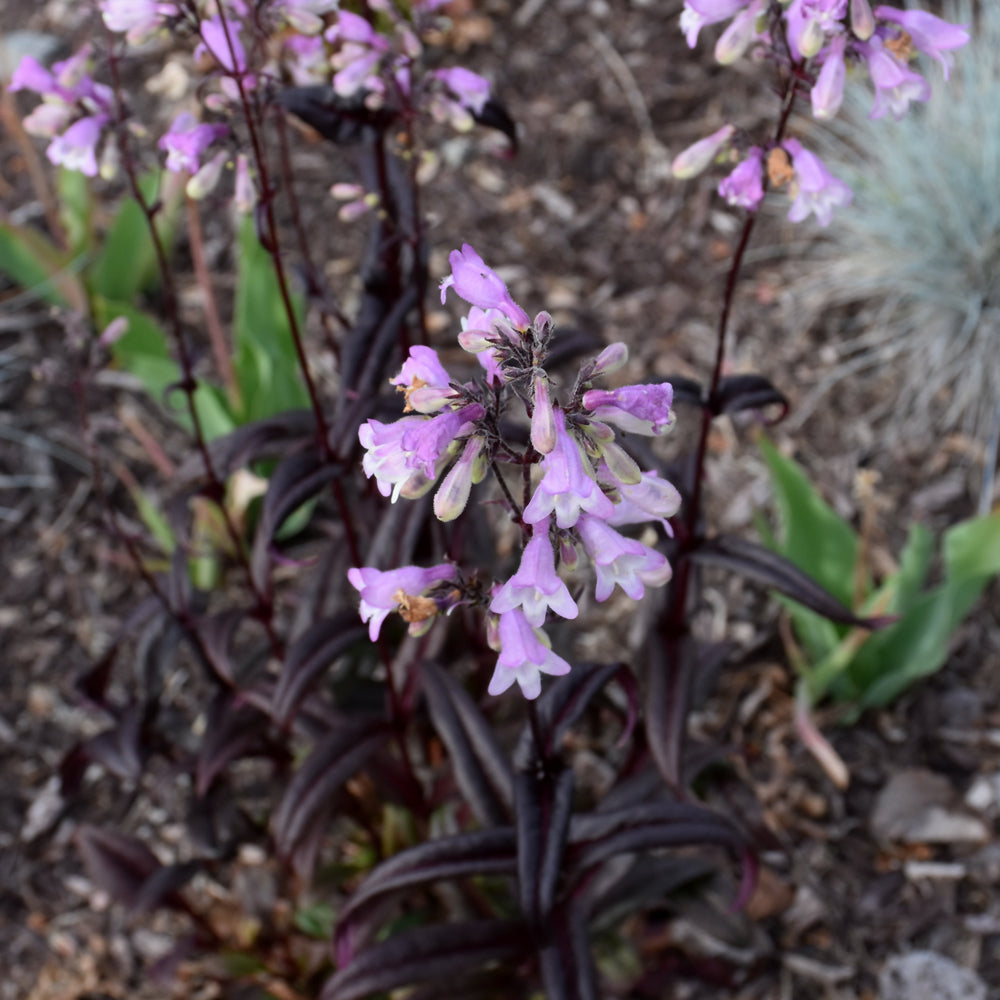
(699, 13)
(827, 94)
(642, 409)
(425, 441)
(464, 95)
(809, 22)
(76, 148)
(139, 18)
(651, 499)
(536, 586)
(424, 381)
(930, 34)
(525, 654)
(620, 560)
(186, 140)
(736, 39)
(814, 189)
(744, 187)
(481, 286)
(386, 460)
(896, 85)
(385, 591)
(567, 487)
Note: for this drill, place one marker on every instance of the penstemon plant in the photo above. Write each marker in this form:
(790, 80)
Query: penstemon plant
(393, 762)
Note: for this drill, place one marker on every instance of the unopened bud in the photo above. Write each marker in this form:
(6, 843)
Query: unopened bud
(204, 181)
(862, 19)
(543, 418)
(696, 158)
(610, 360)
(453, 495)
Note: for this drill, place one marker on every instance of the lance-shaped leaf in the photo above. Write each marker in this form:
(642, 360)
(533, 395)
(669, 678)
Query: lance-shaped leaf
(495, 115)
(597, 836)
(119, 748)
(340, 120)
(482, 771)
(748, 392)
(309, 656)
(773, 570)
(672, 663)
(297, 479)
(543, 806)
(233, 730)
(332, 761)
(217, 632)
(118, 864)
(566, 960)
(480, 852)
(428, 954)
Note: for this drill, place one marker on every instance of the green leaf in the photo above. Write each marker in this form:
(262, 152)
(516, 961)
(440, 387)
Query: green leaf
(914, 562)
(316, 921)
(76, 209)
(972, 548)
(266, 362)
(812, 536)
(127, 264)
(36, 264)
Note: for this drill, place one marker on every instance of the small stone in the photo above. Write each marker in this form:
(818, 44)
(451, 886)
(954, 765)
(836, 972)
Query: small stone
(926, 975)
(918, 806)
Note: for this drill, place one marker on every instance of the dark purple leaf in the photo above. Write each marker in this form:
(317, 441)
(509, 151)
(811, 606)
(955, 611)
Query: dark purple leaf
(217, 633)
(748, 392)
(773, 570)
(566, 960)
(119, 749)
(297, 478)
(481, 852)
(668, 683)
(495, 115)
(381, 343)
(162, 886)
(543, 804)
(332, 762)
(482, 771)
(309, 656)
(597, 836)
(341, 120)
(428, 954)
(119, 865)
(562, 703)
(233, 730)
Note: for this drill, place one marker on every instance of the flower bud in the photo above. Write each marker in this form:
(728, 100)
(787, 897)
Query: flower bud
(696, 158)
(620, 464)
(862, 19)
(204, 181)
(610, 360)
(543, 419)
(453, 495)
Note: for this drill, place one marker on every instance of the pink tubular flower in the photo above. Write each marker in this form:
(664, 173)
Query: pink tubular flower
(224, 45)
(896, 85)
(359, 57)
(699, 13)
(525, 654)
(642, 409)
(828, 92)
(693, 160)
(186, 140)
(424, 381)
(470, 89)
(814, 188)
(736, 39)
(620, 560)
(567, 488)
(386, 460)
(76, 148)
(651, 499)
(481, 286)
(139, 18)
(810, 21)
(425, 441)
(931, 35)
(380, 591)
(744, 187)
(536, 586)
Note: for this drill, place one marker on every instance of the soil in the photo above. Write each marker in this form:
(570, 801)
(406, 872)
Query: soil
(587, 223)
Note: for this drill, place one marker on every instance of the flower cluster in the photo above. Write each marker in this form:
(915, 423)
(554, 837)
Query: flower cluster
(586, 487)
(816, 41)
(74, 110)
